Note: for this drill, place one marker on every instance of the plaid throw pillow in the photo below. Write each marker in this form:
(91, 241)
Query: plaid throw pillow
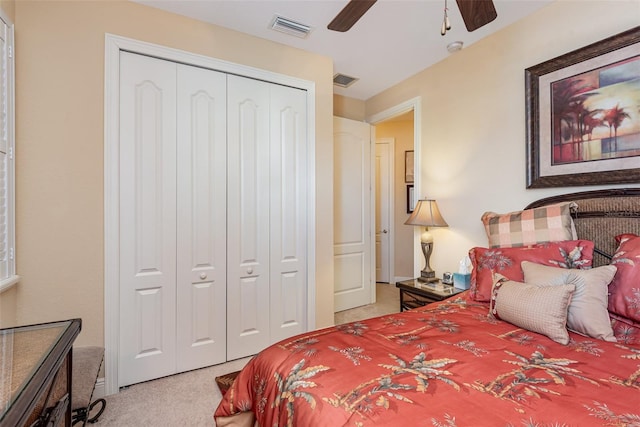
(551, 223)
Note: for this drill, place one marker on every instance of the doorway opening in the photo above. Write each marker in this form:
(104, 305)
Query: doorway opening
(397, 133)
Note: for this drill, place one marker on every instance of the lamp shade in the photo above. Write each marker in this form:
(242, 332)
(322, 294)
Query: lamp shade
(426, 213)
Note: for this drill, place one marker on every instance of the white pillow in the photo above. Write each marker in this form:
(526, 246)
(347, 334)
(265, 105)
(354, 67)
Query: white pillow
(541, 309)
(588, 314)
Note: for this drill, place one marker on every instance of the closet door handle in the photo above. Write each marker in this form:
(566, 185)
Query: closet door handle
(203, 276)
(249, 270)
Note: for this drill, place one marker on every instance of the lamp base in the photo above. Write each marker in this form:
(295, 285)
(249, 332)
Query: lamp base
(428, 277)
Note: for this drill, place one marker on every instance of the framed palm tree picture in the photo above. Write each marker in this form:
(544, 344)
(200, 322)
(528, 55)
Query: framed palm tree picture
(583, 115)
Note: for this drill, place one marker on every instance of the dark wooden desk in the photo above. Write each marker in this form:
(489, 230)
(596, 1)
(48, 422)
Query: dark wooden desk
(35, 374)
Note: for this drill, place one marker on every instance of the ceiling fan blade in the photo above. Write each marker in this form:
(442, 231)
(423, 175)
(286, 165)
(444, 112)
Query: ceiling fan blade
(351, 13)
(476, 13)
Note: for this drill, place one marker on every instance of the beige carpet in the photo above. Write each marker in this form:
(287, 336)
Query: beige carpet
(189, 399)
(387, 302)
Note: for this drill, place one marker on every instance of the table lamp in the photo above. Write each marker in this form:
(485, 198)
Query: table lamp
(427, 214)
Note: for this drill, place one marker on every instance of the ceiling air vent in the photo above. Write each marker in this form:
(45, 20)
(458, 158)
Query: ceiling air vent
(290, 27)
(343, 80)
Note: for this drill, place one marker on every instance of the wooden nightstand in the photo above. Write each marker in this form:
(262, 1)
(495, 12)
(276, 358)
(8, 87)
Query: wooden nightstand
(414, 293)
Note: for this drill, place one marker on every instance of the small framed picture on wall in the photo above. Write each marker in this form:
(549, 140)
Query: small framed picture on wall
(408, 167)
(410, 199)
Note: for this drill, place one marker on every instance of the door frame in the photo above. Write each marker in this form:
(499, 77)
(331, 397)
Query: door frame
(414, 104)
(113, 46)
(392, 228)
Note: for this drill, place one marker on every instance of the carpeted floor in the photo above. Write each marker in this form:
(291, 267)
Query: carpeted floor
(387, 302)
(189, 399)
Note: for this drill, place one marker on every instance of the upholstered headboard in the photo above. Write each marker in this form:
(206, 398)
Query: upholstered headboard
(600, 216)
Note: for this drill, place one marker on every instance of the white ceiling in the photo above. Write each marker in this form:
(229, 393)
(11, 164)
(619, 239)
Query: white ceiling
(394, 40)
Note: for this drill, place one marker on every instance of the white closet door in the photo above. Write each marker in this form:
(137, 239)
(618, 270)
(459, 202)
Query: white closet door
(288, 264)
(147, 218)
(201, 205)
(247, 216)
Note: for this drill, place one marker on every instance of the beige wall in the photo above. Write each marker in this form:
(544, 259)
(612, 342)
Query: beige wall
(60, 80)
(402, 132)
(8, 7)
(348, 108)
(473, 116)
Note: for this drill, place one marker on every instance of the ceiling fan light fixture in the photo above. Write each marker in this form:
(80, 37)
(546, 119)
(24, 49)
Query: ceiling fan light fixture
(288, 26)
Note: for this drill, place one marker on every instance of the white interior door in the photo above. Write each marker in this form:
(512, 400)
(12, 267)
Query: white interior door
(147, 218)
(384, 186)
(202, 222)
(288, 212)
(248, 217)
(353, 214)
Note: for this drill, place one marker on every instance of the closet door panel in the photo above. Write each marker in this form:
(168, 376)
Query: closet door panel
(288, 214)
(248, 216)
(147, 218)
(201, 224)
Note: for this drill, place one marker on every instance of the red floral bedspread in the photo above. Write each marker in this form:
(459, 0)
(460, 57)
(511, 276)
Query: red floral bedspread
(446, 364)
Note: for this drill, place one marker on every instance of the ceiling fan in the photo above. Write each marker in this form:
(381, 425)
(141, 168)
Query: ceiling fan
(475, 13)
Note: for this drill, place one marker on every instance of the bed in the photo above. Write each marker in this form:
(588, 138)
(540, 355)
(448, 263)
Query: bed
(552, 341)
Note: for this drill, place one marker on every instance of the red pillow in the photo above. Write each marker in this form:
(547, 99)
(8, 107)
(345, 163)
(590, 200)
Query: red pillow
(506, 261)
(624, 290)
(625, 330)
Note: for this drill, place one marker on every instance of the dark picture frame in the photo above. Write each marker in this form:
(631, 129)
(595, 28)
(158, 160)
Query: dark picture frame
(410, 199)
(408, 167)
(563, 147)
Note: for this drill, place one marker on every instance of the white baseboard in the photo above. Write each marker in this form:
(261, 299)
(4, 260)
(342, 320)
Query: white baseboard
(98, 391)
